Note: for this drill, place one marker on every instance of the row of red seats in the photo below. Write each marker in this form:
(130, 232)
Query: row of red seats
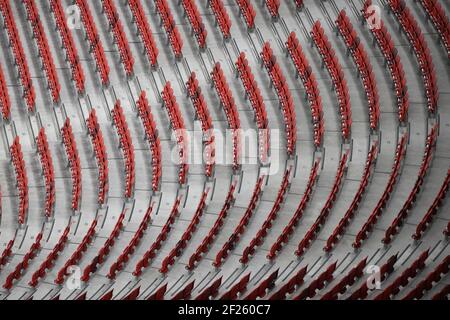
(201, 109)
(98, 143)
(227, 101)
(77, 255)
(253, 93)
(347, 281)
(363, 233)
(443, 294)
(258, 240)
(6, 254)
(317, 284)
(158, 294)
(21, 178)
(49, 262)
(291, 285)
(404, 278)
(222, 17)
(144, 30)
(210, 292)
(248, 12)
(338, 232)
(126, 144)
(119, 36)
(48, 171)
(16, 274)
(196, 21)
(100, 258)
(19, 55)
(426, 220)
(170, 26)
(427, 284)
(176, 119)
(426, 163)
(239, 230)
(337, 75)
(177, 251)
(150, 254)
(185, 293)
(69, 44)
(151, 134)
(283, 238)
(321, 219)
(309, 81)
(70, 146)
(214, 231)
(263, 286)
(124, 257)
(420, 47)
(237, 289)
(284, 96)
(386, 269)
(93, 37)
(273, 6)
(390, 53)
(44, 49)
(440, 21)
(5, 102)
(362, 61)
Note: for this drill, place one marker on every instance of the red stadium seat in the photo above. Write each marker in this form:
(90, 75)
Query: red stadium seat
(151, 253)
(5, 102)
(203, 248)
(211, 291)
(222, 17)
(228, 104)
(177, 121)
(335, 70)
(385, 270)
(317, 284)
(102, 254)
(120, 38)
(73, 158)
(403, 213)
(173, 35)
(45, 158)
(131, 247)
(21, 178)
(144, 31)
(151, 134)
(321, 219)
(126, 144)
(101, 156)
(49, 262)
(96, 47)
(196, 21)
(248, 12)
(284, 96)
(420, 47)
(177, 251)
(68, 44)
(201, 109)
(363, 233)
(19, 55)
(16, 274)
(426, 220)
(43, 49)
(310, 83)
(78, 254)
